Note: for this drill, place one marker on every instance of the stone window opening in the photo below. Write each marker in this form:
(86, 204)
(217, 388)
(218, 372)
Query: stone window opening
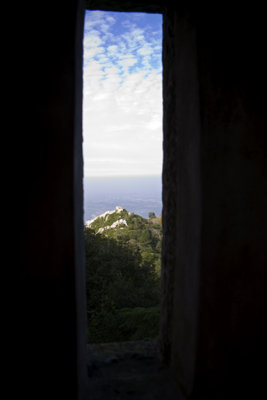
(213, 325)
(131, 359)
(179, 304)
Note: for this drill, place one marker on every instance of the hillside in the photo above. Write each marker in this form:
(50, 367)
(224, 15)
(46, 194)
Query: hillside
(131, 230)
(123, 276)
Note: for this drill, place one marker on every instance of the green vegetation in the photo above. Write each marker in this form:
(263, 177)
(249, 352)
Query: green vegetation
(123, 277)
(151, 215)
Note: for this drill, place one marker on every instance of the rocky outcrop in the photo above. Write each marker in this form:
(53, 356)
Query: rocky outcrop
(114, 225)
(105, 215)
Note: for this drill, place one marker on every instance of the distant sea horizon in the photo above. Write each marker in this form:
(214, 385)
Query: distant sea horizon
(137, 194)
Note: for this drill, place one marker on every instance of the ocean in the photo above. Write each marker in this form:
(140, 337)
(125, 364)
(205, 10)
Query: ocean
(139, 195)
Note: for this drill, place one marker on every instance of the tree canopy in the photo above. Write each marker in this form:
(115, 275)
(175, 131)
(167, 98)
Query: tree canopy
(122, 278)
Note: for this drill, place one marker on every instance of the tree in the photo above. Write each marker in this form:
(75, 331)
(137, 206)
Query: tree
(118, 276)
(123, 277)
(151, 215)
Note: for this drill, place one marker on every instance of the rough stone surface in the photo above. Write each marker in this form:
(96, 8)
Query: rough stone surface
(213, 334)
(132, 370)
(181, 197)
(136, 5)
(214, 183)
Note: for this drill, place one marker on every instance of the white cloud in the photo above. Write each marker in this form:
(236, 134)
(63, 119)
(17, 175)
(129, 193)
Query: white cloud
(112, 50)
(122, 112)
(145, 50)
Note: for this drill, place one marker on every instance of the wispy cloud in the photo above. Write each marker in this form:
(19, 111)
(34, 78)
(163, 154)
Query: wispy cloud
(122, 113)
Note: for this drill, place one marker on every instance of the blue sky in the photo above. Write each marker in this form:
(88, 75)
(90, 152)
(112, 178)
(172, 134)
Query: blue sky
(122, 94)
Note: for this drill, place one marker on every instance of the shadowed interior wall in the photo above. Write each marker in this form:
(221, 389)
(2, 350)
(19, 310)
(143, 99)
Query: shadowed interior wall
(48, 284)
(182, 201)
(232, 75)
(213, 330)
(214, 256)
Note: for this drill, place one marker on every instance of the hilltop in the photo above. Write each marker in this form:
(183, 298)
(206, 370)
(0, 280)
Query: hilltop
(131, 230)
(123, 252)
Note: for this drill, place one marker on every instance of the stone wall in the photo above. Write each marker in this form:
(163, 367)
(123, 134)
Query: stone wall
(214, 256)
(182, 199)
(213, 329)
(46, 258)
